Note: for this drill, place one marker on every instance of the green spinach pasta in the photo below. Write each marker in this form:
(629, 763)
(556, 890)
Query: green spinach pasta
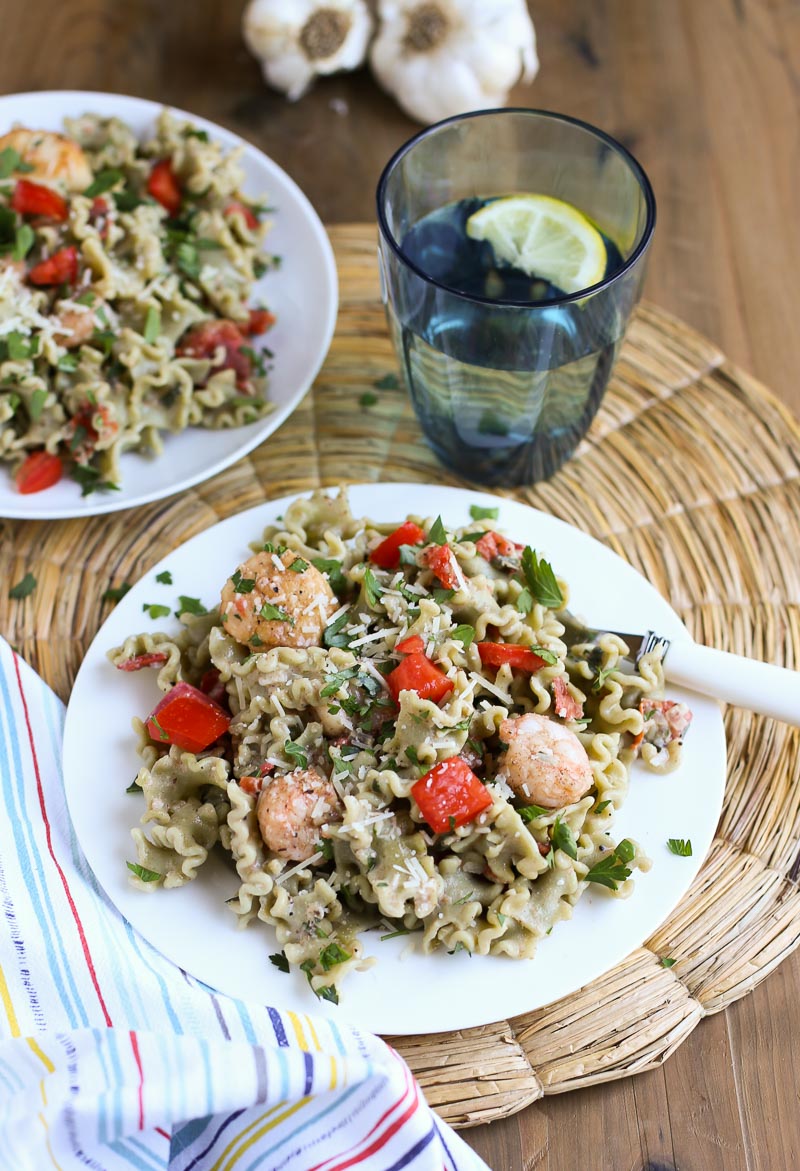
(126, 273)
(393, 728)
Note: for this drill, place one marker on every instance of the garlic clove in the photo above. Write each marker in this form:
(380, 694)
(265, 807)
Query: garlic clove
(299, 40)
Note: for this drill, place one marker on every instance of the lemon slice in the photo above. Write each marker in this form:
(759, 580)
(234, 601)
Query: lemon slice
(542, 237)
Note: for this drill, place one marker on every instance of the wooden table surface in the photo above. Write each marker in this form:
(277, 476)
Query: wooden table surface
(705, 92)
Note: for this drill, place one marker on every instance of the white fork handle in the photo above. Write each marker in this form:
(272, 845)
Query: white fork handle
(748, 683)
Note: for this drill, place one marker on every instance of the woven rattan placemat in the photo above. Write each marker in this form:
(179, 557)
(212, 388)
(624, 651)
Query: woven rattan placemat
(691, 474)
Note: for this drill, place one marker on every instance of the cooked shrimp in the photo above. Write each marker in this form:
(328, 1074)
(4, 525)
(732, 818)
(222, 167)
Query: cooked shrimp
(54, 157)
(292, 809)
(545, 763)
(279, 606)
(78, 325)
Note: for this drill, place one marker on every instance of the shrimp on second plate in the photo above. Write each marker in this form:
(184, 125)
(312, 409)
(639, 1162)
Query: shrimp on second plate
(545, 763)
(53, 157)
(291, 811)
(275, 600)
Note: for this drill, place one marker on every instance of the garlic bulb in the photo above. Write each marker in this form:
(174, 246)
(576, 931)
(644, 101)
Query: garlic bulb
(296, 40)
(444, 57)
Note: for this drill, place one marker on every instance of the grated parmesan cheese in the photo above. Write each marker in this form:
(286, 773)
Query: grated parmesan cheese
(300, 866)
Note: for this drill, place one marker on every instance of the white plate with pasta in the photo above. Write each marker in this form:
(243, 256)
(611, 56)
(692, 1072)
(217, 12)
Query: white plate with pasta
(167, 296)
(417, 794)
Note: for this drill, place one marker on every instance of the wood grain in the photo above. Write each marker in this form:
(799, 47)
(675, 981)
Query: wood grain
(706, 94)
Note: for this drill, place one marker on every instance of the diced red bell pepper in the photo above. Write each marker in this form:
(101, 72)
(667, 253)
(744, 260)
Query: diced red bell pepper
(162, 184)
(260, 321)
(495, 654)
(150, 659)
(450, 795)
(440, 559)
(59, 269)
(387, 554)
(219, 337)
(254, 785)
(187, 718)
(32, 199)
(237, 207)
(492, 545)
(564, 703)
(412, 645)
(416, 673)
(39, 471)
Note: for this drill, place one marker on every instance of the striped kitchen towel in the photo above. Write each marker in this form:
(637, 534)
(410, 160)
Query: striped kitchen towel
(111, 1057)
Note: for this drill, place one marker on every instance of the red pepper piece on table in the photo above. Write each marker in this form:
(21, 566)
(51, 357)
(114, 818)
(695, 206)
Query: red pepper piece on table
(248, 215)
(59, 269)
(39, 471)
(492, 545)
(440, 559)
(495, 654)
(564, 704)
(187, 718)
(387, 554)
(416, 673)
(150, 659)
(450, 795)
(260, 321)
(163, 185)
(34, 199)
(412, 645)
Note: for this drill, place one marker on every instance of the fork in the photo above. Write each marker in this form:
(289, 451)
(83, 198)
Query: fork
(749, 683)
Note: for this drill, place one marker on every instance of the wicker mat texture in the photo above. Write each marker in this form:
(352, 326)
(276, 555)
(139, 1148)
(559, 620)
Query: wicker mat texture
(690, 473)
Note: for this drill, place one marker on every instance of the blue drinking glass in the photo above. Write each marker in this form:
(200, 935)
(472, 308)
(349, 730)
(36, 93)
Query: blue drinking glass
(506, 378)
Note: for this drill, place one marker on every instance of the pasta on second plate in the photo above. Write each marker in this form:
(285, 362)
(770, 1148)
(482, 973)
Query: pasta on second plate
(393, 728)
(126, 271)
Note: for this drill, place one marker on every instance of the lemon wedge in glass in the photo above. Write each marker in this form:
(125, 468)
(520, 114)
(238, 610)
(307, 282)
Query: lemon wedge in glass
(542, 237)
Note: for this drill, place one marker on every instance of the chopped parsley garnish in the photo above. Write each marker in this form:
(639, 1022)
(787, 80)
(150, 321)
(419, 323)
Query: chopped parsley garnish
(599, 808)
(162, 735)
(152, 324)
(531, 812)
(88, 477)
(274, 613)
(395, 934)
(193, 132)
(667, 961)
(326, 993)
(295, 753)
(24, 240)
(599, 680)
(524, 602)
(24, 588)
(189, 606)
(501, 918)
(258, 359)
(116, 593)
(103, 181)
(464, 634)
(21, 347)
(127, 200)
(104, 338)
(280, 961)
(440, 596)
(87, 298)
(143, 873)
(334, 682)
(437, 534)
(68, 363)
(36, 404)
(256, 640)
(680, 846)
(156, 611)
(11, 161)
(545, 654)
(298, 565)
(541, 580)
(325, 848)
(333, 636)
(478, 513)
(333, 569)
(242, 585)
(333, 955)
(563, 838)
(165, 577)
(388, 382)
(613, 869)
(134, 787)
(368, 399)
(451, 821)
(408, 554)
(372, 588)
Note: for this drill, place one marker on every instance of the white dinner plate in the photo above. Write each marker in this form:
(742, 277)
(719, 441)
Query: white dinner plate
(303, 293)
(406, 991)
